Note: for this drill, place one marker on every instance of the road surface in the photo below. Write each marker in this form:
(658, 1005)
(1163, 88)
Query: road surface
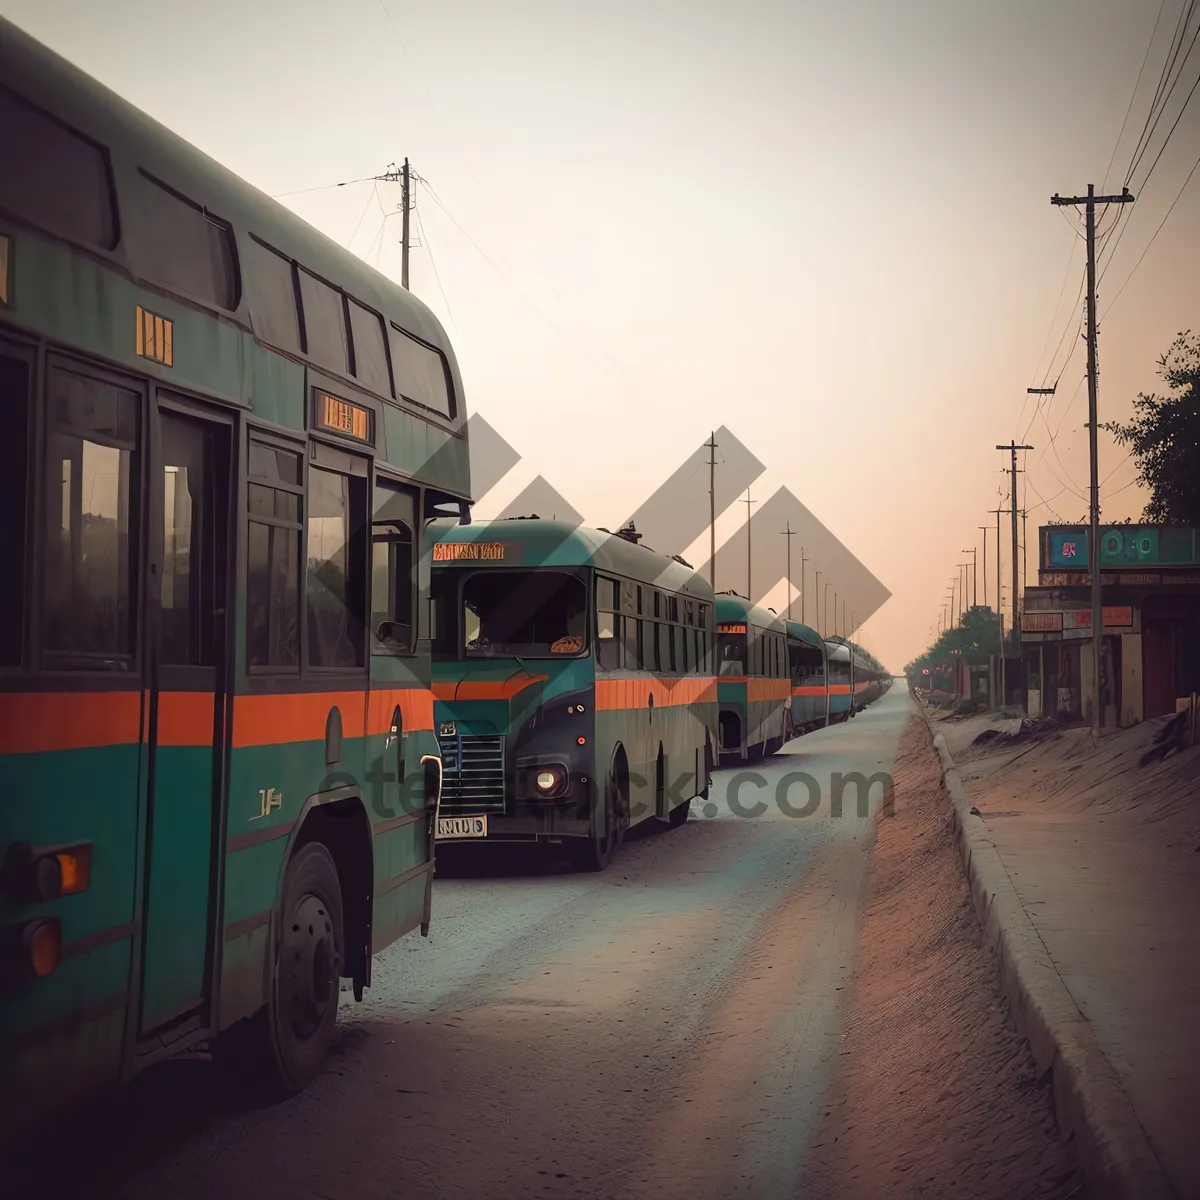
(667, 1028)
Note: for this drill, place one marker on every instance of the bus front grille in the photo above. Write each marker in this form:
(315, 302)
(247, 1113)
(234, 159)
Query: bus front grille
(472, 775)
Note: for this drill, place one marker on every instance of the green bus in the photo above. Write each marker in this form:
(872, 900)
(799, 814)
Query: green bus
(574, 695)
(223, 437)
(754, 684)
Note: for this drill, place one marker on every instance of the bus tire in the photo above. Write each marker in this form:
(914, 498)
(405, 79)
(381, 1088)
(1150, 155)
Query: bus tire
(302, 1001)
(595, 852)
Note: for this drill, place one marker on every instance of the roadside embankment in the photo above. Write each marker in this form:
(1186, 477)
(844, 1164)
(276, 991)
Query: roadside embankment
(1083, 865)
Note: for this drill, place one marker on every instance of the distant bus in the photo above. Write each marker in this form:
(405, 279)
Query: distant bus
(754, 679)
(839, 671)
(573, 683)
(217, 753)
(810, 698)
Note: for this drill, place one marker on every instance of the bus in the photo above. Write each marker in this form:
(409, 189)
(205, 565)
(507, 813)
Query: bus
(810, 698)
(223, 436)
(754, 681)
(840, 681)
(574, 696)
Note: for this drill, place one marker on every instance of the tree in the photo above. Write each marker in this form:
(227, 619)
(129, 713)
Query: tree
(1164, 436)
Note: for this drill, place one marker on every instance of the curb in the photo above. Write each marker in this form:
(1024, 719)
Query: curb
(1090, 1104)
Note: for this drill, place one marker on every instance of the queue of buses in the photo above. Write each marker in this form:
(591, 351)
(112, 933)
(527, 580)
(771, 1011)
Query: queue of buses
(255, 661)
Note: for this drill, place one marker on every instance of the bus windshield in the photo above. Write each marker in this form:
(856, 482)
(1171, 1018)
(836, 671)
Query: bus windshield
(731, 651)
(534, 614)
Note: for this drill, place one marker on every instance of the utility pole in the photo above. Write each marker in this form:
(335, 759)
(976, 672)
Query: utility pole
(845, 627)
(818, 601)
(406, 189)
(1012, 447)
(749, 556)
(789, 533)
(1090, 200)
(712, 509)
(827, 606)
(1000, 613)
(984, 529)
(974, 565)
(803, 586)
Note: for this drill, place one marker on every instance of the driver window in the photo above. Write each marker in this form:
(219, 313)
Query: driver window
(393, 570)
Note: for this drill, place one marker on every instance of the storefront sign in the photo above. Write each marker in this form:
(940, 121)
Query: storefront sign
(1124, 545)
(1042, 622)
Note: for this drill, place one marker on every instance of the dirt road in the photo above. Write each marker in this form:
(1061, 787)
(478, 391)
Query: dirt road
(671, 1027)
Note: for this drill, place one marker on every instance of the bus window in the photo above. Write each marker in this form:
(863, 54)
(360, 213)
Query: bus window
(370, 351)
(14, 482)
(335, 610)
(420, 373)
(393, 570)
(663, 632)
(537, 614)
(91, 542)
(608, 648)
(679, 662)
(631, 659)
(324, 323)
(54, 176)
(188, 249)
(274, 509)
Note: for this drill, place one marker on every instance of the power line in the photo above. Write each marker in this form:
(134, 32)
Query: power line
(1108, 307)
(1164, 75)
(1166, 96)
(324, 187)
(433, 263)
(1178, 118)
(1137, 84)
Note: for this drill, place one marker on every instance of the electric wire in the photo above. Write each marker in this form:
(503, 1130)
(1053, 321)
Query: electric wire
(1183, 188)
(1172, 53)
(433, 263)
(1181, 30)
(1137, 84)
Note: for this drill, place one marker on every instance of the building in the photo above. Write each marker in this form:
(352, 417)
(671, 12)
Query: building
(1150, 593)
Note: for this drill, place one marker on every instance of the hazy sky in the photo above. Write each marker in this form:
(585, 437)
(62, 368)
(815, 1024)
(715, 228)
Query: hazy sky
(826, 226)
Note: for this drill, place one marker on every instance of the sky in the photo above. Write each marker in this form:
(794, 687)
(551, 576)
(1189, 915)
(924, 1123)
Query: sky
(826, 227)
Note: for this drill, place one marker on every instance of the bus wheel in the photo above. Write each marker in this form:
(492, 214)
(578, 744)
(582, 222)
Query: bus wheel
(595, 852)
(303, 1000)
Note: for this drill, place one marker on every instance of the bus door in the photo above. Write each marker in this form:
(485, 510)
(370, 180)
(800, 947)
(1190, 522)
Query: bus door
(187, 656)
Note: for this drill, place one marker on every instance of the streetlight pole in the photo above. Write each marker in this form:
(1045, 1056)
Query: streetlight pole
(818, 601)
(984, 528)
(789, 533)
(803, 560)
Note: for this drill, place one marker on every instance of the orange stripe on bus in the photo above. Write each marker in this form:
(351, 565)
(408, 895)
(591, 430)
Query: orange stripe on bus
(808, 690)
(635, 692)
(41, 722)
(486, 689)
(839, 689)
(295, 717)
(760, 687)
(415, 704)
(185, 718)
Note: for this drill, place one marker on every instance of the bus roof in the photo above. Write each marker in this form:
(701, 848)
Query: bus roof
(535, 542)
(732, 607)
(802, 633)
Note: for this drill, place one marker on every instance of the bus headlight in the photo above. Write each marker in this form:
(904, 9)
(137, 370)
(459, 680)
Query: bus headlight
(546, 782)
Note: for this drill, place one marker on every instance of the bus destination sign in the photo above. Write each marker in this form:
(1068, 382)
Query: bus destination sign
(731, 629)
(468, 552)
(340, 416)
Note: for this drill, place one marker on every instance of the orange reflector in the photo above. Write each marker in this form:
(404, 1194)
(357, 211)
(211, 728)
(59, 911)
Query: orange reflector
(76, 868)
(43, 941)
(581, 740)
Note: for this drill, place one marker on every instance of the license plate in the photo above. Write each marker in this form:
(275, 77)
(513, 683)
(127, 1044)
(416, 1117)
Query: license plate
(462, 827)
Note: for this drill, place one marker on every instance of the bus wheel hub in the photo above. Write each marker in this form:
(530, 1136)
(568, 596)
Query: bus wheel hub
(310, 965)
